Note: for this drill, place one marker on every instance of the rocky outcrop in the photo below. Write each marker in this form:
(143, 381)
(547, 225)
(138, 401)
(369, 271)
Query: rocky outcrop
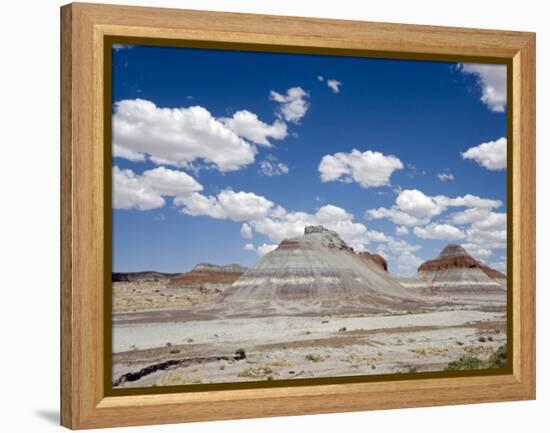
(207, 277)
(452, 257)
(318, 268)
(145, 276)
(376, 258)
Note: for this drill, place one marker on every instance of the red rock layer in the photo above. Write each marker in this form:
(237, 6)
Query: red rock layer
(453, 257)
(493, 273)
(376, 258)
(449, 263)
(196, 278)
(290, 244)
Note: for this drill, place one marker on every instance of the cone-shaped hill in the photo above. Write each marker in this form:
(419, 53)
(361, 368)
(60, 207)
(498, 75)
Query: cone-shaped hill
(320, 268)
(454, 271)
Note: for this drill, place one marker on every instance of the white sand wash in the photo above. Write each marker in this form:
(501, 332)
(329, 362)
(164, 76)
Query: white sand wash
(264, 330)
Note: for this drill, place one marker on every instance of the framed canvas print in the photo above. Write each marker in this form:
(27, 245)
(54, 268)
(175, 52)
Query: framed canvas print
(272, 216)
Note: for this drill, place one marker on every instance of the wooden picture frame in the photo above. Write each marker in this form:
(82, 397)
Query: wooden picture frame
(84, 29)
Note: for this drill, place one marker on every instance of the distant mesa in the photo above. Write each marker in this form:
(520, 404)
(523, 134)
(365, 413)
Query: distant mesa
(455, 272)
(209, 267)
(207, 277)
(454, 256)
(320, 268)
(145, 276)
(451, 257)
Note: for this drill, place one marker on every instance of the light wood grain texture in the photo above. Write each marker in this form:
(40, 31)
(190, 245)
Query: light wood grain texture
(83, 401)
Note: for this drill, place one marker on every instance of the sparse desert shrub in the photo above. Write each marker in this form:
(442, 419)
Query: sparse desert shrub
(240, 354)
(315, 357)
(256, 372)
(465, 363)
(475, 350)
(324, 321)
(177, 377)
(482, 339)
(459, 343)
(489, 338)
(499, 358)
(343, 329)
(175, 351)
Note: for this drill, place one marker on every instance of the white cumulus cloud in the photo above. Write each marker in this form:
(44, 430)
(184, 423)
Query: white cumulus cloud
(469, 216)
(177, 136)
(125, 153)
(417, 204)
(246, 231)
(396, 216)
(493, 221)
(130, 192)
(492, 81)
(467, 200)
(228, 204)
(276, 223)
(491, 155)
(480, 218)
(401, 231)
(408, 263)
(249, 247)
(445, 176)
(293, 105)
(264, 249)
(334, 85)
(486, 238)
(368, 169)
(439, 231)
(145, 191)
(247, 125)
(272, 167)
(170, 182)
(476, 251)
(414, 208)
(499, 266)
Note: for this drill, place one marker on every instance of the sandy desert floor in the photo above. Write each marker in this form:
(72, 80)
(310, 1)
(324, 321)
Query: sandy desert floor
(156, 346)
(153, 295)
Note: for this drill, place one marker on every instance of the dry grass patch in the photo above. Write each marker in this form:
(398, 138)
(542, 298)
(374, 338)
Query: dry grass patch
(264, 371)
(429, 350)
(315, 357)
(178, 377)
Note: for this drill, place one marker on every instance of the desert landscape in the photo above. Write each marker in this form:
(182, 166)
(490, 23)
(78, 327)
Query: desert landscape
(313, 307)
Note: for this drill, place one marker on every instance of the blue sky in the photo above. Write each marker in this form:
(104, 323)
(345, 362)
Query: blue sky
(219, 155)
